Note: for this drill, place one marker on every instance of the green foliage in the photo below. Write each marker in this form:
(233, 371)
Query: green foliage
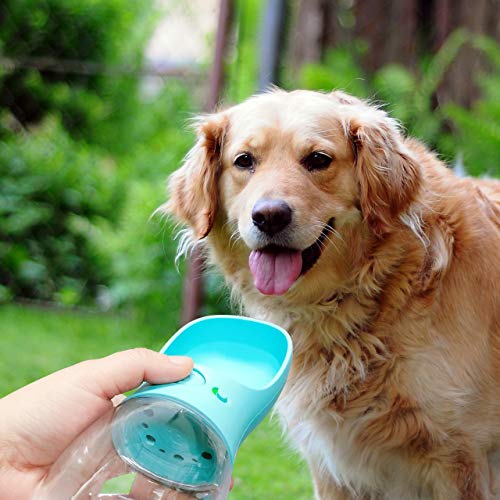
(149, 137)
(142, 250)
(53, 250)
(477, 131)
(77, 39)
(52, 195)
(410, 95)
(244, 69)
(340, 71)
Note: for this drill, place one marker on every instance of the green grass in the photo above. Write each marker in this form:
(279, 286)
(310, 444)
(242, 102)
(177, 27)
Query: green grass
(38, 341)
(267, 469)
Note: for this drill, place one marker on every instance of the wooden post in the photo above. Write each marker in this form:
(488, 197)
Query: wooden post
(271, 43)
(193, 282)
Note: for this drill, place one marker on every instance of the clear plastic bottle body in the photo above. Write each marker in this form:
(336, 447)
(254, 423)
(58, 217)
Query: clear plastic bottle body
(144, 449)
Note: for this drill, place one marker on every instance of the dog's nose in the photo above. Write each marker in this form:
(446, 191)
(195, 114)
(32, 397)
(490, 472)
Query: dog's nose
(271, 216)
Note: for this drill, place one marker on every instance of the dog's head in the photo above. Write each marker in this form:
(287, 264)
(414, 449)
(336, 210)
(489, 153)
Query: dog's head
(283, 173)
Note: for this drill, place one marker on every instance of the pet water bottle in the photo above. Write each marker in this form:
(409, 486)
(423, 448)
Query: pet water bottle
(179, 440)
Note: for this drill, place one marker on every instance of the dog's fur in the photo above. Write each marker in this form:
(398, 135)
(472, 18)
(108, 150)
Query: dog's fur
(394, 390)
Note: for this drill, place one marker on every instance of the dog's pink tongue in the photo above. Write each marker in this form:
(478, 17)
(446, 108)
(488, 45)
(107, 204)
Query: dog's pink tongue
(275, 272)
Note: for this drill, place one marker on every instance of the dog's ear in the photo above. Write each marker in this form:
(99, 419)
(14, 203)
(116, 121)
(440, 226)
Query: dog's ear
(389, 177)
(193, 189)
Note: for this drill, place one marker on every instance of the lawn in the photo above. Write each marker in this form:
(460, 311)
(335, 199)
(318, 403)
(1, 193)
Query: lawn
(37, 341)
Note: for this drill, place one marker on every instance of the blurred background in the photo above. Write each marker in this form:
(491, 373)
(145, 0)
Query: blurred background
(95, 97)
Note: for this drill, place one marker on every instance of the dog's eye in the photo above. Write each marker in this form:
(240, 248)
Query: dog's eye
(244, 160)
(317, 160)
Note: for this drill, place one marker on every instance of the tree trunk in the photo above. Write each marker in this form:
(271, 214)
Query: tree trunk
(390, 29)
(316, 28)
(478, 17)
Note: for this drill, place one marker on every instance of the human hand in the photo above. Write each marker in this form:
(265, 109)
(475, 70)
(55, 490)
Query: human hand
(39, 422)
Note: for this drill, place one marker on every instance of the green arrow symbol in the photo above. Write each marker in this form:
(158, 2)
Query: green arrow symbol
(215, 390)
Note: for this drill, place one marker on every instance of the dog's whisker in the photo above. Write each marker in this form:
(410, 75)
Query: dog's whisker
(234, 239)
(337, 235)
(327, 241)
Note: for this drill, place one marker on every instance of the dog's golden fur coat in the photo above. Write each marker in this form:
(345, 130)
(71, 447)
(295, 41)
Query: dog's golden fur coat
(394, 390)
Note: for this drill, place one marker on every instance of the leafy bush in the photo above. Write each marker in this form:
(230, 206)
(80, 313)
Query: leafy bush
(142, 251)
(150, 139)
(60, 50)
(477, 131)
(52, 195)
(60, 238)
(410, 96)
(339, 71)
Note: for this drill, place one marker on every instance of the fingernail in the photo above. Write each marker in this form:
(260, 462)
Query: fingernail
(180, 360)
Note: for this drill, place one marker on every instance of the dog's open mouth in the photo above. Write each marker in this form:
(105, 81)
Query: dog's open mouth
(275, 269)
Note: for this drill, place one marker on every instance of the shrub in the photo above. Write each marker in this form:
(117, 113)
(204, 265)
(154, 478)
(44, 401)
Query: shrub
(53, 193)
(62, 50)
(410, 96)
(142, 251)
(339, 71)
(59, 237)
(477, 131)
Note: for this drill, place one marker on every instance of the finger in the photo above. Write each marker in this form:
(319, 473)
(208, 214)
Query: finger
(126, 370)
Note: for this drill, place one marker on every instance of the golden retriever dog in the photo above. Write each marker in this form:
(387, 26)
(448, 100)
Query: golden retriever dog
(385, 269)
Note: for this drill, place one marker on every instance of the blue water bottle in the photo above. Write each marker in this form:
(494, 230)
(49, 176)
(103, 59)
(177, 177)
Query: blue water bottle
(184, 436)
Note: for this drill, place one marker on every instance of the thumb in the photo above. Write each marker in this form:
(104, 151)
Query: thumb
(126, 370)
